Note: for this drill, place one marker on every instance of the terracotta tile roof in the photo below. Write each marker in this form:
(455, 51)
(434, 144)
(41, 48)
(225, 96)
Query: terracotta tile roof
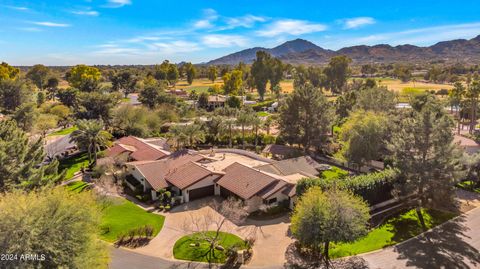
(272, 189)
(301, 165)
(290, 190)
(245, 181)
(139, 148)
(155, 172)
(188, 174)
(281, 150)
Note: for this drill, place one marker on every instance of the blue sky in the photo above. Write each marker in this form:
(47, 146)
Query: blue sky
(67, 32)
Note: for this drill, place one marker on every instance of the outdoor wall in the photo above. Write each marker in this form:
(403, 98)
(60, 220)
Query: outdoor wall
(208, 181)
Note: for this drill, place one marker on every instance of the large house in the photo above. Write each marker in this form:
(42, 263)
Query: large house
(138, 149)
(191, 175)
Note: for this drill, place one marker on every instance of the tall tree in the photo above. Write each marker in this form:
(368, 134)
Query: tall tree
(212, 73)
(244, 119)
(261, 72)
(154, 95)
(21, 160)
(13, 93)
(52, 87)
(456, 95)
(191, 72)
(305, 117)
(337, 73)
(68, 96)
(25, 116)
(275, 75)
(83, 77)
(125, 82)
(97, 105)
(172, 74)
(232, 82)
(423, 151)
(38, 74)
(8, 72)
(59, 225)
(334, 216)
(364, 137)
(375, 99)
(91, 137)
(472, 94)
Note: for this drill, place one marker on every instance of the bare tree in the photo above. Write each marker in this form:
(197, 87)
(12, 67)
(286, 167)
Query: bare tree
(208, 226)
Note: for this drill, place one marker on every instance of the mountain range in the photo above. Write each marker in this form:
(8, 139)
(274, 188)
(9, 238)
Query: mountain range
(300, 51)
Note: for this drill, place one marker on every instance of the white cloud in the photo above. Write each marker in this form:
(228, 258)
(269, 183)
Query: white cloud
(358, 22)
(202, 24)
(246, 21)
(209, 16)
(143, 39)
(50, 24)
(86, 12)
(179, 46)
(291, 27)
(18, 8)
(223, 41)
(118, 3)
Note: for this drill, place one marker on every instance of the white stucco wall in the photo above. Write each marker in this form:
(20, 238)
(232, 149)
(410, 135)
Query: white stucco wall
(135, 173)
(208, 181)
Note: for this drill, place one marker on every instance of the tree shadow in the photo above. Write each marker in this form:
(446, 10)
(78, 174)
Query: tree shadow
(442, 247)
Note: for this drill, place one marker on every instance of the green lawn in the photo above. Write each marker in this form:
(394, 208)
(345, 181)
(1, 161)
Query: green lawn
(198, 89)
(262, 114)
(333, 173)
(65, 131)
(469, 185)
(77, 186)
(73, 164)
(183, 251)
(393, 231)
(120, 216)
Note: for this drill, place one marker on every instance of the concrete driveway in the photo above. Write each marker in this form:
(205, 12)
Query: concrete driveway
(271, 237)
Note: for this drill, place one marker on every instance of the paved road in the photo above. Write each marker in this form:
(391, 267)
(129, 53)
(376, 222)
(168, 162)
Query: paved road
(455, 244)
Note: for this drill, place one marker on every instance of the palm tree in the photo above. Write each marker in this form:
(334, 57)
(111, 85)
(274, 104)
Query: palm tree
(456, 95)
(90, 136)
(195, 134)
(243, 120)
(178, 133)
(229, 124)
(216, 126)
(472, 93)
(256, 124)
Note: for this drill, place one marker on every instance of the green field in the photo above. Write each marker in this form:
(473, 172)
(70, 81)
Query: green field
(73, 164)
(393, 231)
(183, 251)
(121, 216)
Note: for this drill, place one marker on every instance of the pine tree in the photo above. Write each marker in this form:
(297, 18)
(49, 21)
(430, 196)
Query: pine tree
(21, 161)
(425, 155)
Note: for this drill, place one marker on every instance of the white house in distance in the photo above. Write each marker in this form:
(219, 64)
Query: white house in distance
(191, 175)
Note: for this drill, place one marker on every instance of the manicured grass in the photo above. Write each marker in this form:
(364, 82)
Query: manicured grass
(73, 164)
(65, 131)
(263, 114)
(333, 173)
(77, 186)
(393, 231)
(469, 185)
(121, 216)
(183, 251)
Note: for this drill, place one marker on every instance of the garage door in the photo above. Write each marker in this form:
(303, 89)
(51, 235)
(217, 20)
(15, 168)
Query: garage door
(201, 192)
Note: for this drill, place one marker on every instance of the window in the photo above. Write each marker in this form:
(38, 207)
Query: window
(271, 201)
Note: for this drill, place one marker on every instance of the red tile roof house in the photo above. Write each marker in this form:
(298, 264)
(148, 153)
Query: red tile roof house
(139, 149)
(191, 175)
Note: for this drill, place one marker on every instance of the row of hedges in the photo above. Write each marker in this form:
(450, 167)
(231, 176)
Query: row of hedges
(374, 187)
